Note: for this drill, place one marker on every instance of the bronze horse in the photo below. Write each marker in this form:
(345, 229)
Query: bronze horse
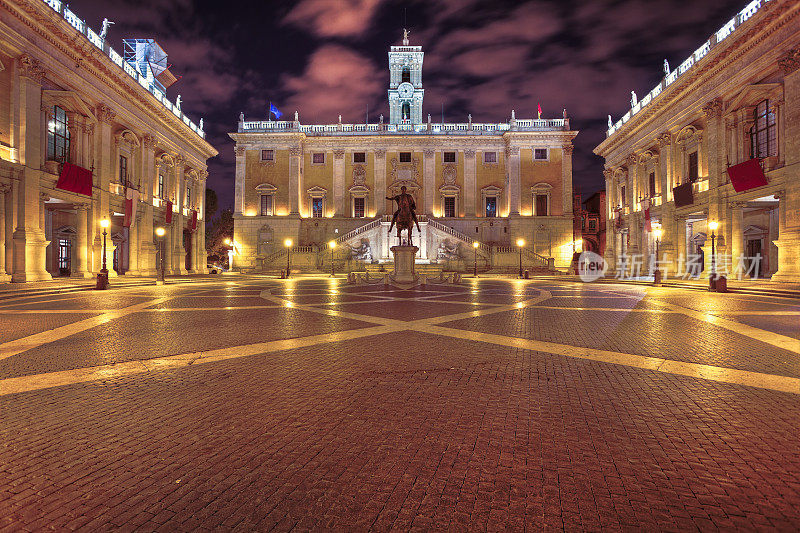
(405, 214)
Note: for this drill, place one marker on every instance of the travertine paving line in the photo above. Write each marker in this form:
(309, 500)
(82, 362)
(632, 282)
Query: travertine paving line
(48, 380)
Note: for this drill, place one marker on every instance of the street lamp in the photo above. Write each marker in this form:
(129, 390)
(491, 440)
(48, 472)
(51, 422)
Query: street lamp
(288, 243)
(476, 245)
(657, 274)
(520, 244)
(332, 245)
(102, 276)
(160, 232)
(712, 280)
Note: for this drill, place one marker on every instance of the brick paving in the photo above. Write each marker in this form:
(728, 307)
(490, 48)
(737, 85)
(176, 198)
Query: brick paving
(406, 430)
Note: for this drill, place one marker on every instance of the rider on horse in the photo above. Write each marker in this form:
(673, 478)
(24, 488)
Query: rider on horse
(404, 200)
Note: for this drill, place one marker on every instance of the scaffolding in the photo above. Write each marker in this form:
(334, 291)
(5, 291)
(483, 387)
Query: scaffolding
(150, 60)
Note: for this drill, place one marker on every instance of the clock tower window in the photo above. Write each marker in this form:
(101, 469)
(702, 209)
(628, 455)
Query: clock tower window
(406, 111)
(406, 76)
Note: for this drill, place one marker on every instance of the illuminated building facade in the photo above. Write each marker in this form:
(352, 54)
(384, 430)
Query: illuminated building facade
(88, 134)
(492, 183)
(718, 140)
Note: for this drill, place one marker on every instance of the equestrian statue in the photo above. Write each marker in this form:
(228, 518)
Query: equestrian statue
(405, 214)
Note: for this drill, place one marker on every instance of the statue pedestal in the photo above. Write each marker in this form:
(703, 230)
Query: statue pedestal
(404, 275)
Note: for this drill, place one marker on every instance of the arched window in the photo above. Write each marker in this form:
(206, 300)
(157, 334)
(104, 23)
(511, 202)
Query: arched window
(406, 111)
(763, 138)
(58, 136)
(406, 76)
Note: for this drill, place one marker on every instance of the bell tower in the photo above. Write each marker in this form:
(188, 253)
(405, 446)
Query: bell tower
(405, 83)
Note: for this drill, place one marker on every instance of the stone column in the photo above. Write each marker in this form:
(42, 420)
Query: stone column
(295, 182)
(429, 181)
(788, 241)
(238, 202)
(178, 220)
(680, 243)
(133, 245)
(609, 251)
(46, 225)
(470, 183)
(80, 253)
(5, 191)
(147, 255)
(338, 183)
(379, 177)
(29, 240)
(736, 243)
(566, 179)
(513, 167)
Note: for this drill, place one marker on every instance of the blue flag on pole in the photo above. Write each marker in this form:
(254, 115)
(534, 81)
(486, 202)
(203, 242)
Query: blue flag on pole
(274, 111)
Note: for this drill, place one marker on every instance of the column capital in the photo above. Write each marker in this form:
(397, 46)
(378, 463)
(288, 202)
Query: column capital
(380, 153)
(44, 197)
(337, 154)
(469, 152)
(105, 114)
(81, 207)
(5, 188)
(713, 109)
(568, 149)
(790, 61)
(297, 152)
(149, 141)
(30, 68)
(428, 152)
(88, 127)
(665, 139)
(631, 160)
(736, 205)
(512, 150)
(239, 151)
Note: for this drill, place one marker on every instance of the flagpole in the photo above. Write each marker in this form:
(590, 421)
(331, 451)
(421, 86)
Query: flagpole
(269, 115)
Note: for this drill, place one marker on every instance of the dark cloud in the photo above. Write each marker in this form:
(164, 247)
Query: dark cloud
(484, 57)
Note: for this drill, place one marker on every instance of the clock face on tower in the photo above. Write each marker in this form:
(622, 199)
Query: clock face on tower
(405, 90)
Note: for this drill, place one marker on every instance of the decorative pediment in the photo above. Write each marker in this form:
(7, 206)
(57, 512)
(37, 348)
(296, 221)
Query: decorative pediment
(405, 173)
(687, 133)
(358, 191)
(165, 159)
(647, 156)
(751, 95)
(491, 190)
(68, 101)
(65, 230)
(449, 190)
(266, 188)
(317, 192)
(541, 188)
(128, 137)
(755, 231)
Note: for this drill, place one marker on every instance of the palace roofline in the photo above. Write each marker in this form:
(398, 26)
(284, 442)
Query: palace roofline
(63, 10)
(718, 38)
(429, 128)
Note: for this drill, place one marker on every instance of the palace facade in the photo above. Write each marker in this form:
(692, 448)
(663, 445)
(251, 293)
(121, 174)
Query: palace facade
(472, 182)
(718, 140)
(87, 134)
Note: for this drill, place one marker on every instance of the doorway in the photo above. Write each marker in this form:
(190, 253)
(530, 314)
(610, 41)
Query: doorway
(187, 245)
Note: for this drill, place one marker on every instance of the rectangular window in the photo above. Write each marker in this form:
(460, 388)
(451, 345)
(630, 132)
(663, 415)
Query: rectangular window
(491, 206)
(358, 207)
(623, 198)
(449, 206)
(64, 251)
(694, 173)
(266, 205)
(490, 157)
(188, 195)
(763, 134)
(359, 157)
(541, 205)
(318, 158)
(316, 208)
(161, 185)
(540, 154)
(123, 170)
(449, 157)
(267, 155)
(652, 184)
(58, 136)
(405, 157)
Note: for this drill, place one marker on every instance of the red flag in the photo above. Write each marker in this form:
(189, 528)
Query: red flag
(646, 206)
(131, 200)
(193, 221)
(539, 110)
(168, 213)
(75, 179)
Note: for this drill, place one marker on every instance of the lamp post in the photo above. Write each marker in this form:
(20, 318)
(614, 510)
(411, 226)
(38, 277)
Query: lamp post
(160, 232)
(475, 246)
(288, 243)
(102, 276)
(712, 279)
(520, 244)
(657, 273)
(332, 245)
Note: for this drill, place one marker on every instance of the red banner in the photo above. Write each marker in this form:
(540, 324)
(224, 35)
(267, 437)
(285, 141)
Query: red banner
(683, 195)
(193, 221)
(747, 175)
(131, 201)
(75, 179)
(168, 213)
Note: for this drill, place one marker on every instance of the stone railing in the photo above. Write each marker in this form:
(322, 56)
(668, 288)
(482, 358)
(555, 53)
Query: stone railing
(486, 249)
(429, 128)
(62, 9)
(715, 40)
(358, 231)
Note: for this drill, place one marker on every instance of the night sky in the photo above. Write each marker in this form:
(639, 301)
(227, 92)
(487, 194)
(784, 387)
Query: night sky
(328, 57)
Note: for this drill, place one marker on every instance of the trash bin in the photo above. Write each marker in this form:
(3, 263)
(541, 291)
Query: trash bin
(722, 284)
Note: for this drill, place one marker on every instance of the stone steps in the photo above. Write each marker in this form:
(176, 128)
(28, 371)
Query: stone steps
(433, 269)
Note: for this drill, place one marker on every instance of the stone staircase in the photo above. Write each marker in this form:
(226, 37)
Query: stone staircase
(429, 270)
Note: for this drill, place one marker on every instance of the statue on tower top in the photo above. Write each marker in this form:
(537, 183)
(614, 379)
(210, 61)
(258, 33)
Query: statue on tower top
(405, 37)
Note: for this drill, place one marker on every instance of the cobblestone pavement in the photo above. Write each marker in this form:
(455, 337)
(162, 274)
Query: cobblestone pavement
(256, 404)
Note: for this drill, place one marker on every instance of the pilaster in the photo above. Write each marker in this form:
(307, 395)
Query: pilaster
(238, 201)
(295, 182)
(513, 168)
(338, 183)
(379, 177)
(429, 180)
(566, 179)
(470, 183)
(5, 190)
(80, 254)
